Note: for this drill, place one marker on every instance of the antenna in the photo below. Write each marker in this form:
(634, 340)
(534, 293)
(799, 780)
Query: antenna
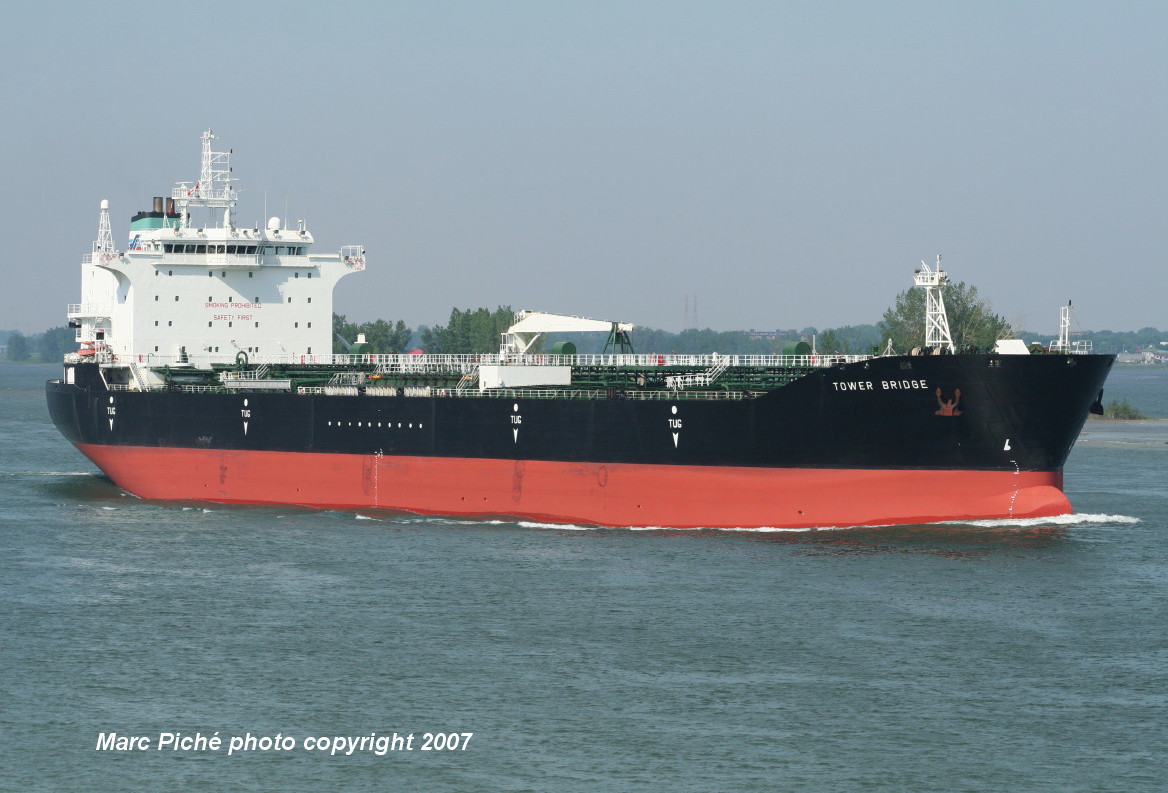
(936, 321)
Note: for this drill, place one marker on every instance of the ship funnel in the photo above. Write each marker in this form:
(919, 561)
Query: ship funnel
(157, 203)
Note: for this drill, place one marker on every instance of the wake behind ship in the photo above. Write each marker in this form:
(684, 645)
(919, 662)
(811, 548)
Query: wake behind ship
(204, 372)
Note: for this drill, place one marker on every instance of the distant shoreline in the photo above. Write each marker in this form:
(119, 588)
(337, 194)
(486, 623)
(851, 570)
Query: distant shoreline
(1110, 420)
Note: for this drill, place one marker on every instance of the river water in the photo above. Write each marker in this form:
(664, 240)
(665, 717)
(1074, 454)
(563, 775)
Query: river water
(1002, 655)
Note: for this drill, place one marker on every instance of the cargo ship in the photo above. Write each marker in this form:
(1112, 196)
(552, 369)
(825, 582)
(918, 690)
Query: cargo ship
(205, 372)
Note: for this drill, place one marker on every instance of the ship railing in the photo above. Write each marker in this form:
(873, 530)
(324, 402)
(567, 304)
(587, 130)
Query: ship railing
(591, 393)
(78, 310)
(397, 363)
(353, 256)
(371, 390)
(216, 259)
(348, 379)
(246, 374)
(393, 363)
(692, 394)
(516, 393)
(1077, 347)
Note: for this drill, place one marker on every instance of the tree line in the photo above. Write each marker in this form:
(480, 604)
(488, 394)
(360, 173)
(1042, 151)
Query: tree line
(467, 332)
(48, 347)
(971, 322)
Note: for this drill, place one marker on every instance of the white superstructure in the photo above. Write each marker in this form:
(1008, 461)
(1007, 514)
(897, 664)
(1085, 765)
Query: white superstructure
(194, 287)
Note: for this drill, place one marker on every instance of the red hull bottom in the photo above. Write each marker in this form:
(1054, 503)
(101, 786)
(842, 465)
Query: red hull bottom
(612, 494)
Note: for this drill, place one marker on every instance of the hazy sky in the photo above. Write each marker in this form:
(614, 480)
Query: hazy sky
(786, 164)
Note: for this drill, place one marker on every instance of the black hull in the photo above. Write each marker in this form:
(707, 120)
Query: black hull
(1013, 413)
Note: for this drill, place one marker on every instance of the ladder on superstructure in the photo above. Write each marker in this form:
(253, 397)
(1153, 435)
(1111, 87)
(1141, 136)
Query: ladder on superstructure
(139, 379)
(721, 363)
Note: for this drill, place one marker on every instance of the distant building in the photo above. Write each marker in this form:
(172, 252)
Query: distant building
(1144, 357)
(771, 335)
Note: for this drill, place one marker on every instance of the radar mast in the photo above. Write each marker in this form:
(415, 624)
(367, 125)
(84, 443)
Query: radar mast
(936, 321)
(105, 237)
(213, 190)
